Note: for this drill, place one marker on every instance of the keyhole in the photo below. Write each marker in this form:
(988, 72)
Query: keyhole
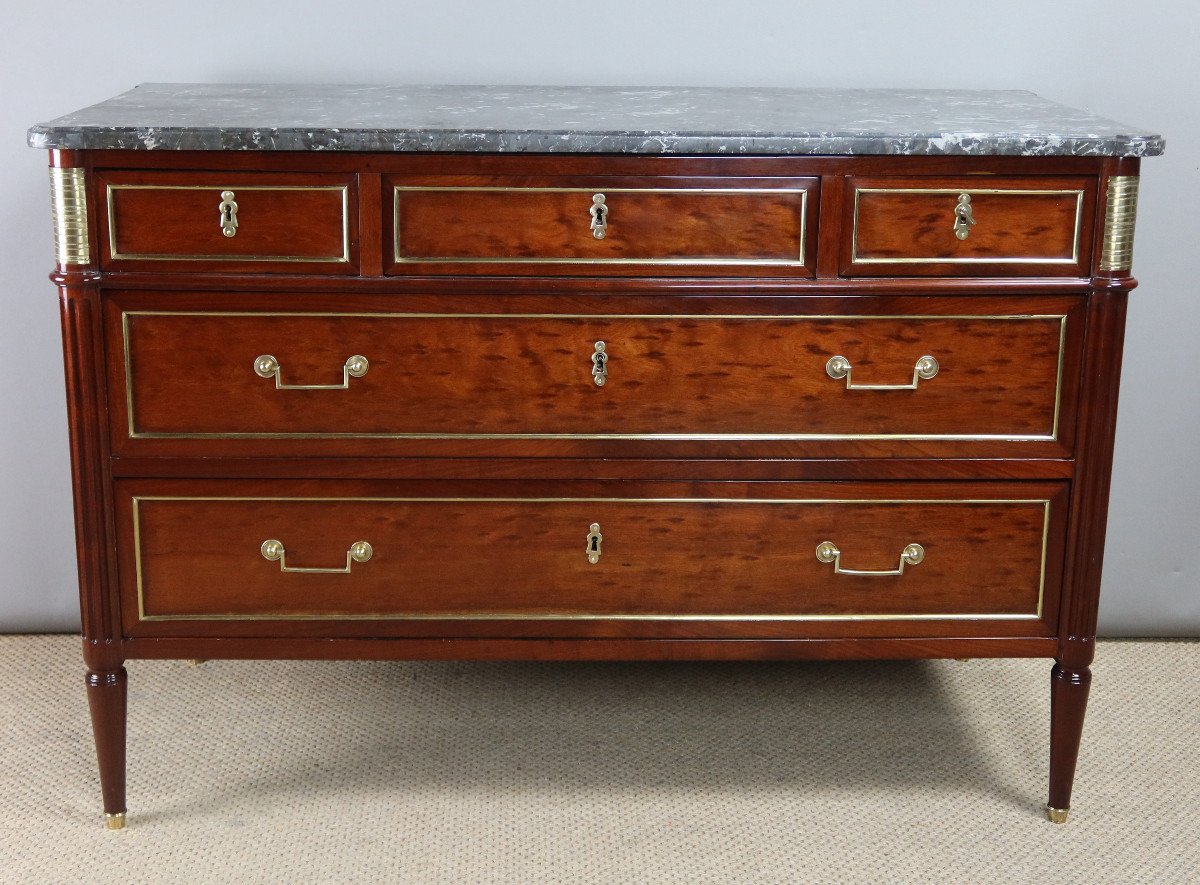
(595, 544)
(598, 212)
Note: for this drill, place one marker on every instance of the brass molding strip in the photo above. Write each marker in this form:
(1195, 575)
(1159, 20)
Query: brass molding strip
(1120, 216)
(117, 255)
(706, 262)
(597, 616)
(1016, 259)
(134, 433)
(68, 209)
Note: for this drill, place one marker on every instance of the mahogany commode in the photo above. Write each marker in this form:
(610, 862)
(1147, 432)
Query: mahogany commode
(429, 372)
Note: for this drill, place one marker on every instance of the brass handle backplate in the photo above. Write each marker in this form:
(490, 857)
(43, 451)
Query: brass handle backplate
(228, 208)
(600, 363)
(599, 213)
(827, 551)
(266, 366)
(594, 540)
(964, 217)
(273, 551)
(838, 367)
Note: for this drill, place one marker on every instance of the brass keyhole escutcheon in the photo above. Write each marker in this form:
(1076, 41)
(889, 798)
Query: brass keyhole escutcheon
(964, 217)
(599, 213)
(594, 540)
(600, 363)
(229, 209)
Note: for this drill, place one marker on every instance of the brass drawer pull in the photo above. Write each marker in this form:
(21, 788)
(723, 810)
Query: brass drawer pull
(839, 367)
(964, 217)
(594, 540)
(228, 208)
(266, 366)
(273, 551)
(600, 364)
(827, 551)
(599, 213)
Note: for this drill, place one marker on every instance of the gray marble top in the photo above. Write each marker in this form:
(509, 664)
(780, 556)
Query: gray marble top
(539, 119)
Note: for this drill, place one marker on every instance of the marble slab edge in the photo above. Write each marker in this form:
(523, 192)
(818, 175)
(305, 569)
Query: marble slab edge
(459, 141)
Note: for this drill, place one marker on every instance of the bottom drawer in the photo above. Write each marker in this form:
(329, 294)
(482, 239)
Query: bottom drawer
(634, 559)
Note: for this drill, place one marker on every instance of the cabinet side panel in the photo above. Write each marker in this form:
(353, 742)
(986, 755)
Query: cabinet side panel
(79, 299)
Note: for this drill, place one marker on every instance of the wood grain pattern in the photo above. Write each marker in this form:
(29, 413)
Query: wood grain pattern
(515, 558)
(792, 649)
(709, 468)
(1024, 226)
(91, 485)
(173, 219)
(697, 364)
(191, 374)
(656, 227)
(512, 557)
(107, 694)
(1069, 688)
(577, 297)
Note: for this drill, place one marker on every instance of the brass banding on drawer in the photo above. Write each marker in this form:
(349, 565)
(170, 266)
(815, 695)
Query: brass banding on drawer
(548, 376)
(437, 558)
(340, 254)
(1068, 256)
(979, 225)
(214, 221)
(479, 228)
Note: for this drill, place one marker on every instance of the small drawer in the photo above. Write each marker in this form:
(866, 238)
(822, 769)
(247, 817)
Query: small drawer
(961, 379)
(229, 221)
(788, 554)
(605, 226)
(976, 225)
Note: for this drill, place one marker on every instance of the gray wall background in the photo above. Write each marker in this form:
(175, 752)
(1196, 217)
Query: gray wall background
(1132, 63)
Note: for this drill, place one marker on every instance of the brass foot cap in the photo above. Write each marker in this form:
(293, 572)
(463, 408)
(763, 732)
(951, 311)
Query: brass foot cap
(115, 821)
(1057, 815)
(196, 662)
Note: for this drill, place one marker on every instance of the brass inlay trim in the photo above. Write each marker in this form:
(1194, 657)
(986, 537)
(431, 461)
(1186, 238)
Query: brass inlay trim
(117, 255)
(1014, 259)
(68, 211)
(748, 262)
(522, 616)
(1120, 216)
(134, 433)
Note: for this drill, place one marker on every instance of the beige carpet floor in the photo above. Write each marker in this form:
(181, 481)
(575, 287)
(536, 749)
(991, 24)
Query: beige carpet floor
(601, 773)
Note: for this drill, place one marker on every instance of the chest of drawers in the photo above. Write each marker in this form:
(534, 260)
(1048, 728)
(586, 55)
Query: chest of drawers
(502, 387)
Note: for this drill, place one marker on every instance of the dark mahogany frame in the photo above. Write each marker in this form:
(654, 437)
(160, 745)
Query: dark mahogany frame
(94, 467)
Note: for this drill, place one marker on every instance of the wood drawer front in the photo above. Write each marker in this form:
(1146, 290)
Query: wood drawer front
(302, 223)
(661, 557)
(669, 377)
(1022, 226)
(679, 227)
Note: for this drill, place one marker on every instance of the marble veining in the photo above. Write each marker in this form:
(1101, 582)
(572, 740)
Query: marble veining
(553, 119)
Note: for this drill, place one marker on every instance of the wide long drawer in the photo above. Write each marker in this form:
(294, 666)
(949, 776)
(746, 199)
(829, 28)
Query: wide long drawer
(966, 377)
(638, 555)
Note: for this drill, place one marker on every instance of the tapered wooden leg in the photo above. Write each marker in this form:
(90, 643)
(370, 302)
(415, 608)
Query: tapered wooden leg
(1068, 701)
(106, 690)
